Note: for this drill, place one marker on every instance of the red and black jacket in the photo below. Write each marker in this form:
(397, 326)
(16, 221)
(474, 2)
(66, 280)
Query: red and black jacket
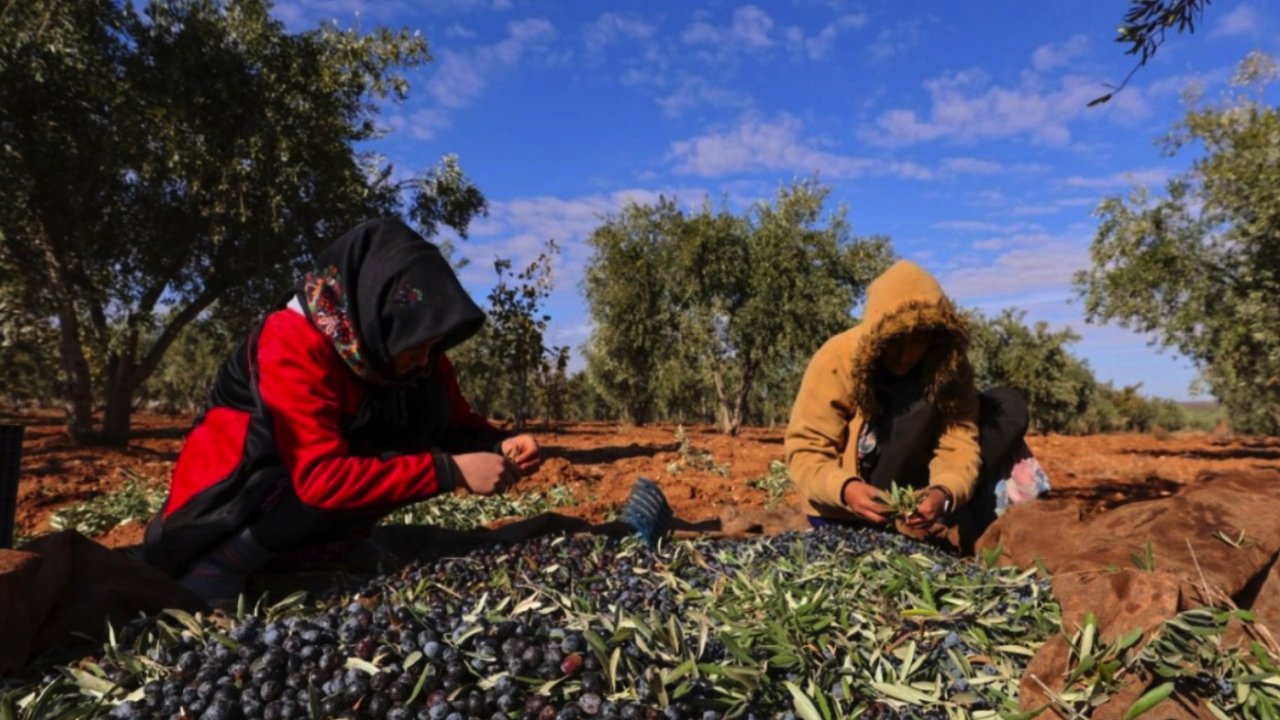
(295, 445)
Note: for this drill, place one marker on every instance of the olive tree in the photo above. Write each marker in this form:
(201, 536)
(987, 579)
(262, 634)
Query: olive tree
(179, 160)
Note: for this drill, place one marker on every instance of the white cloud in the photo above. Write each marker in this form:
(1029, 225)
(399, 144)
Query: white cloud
(752, 26)
(984, 226)
(1128, 178)
(1033, 262)
(300, 14)
(991, 198)
(1241, 21)
(996, 243)
(459, 31)
(979, 166)
(964, 107)
(1035, 209)
(517, 229)
(462, 75)
(1056, 55)
(612, 27)
(691, 91)
(749, 30)
(818, 47)
(420, 125)
(896, 40)
(1076, 201)
(755, 145)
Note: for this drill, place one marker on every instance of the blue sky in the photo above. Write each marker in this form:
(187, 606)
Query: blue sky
(959, 130)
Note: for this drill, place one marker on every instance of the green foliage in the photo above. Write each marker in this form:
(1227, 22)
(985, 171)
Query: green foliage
(1144, 28)
(827, 626)
(902, 500)
(1147, 560)
(552, 388)
(464, 512)
(711, 303)
(1187, 654)
(27, 374)
(507, 368)
(1146, 22)
(1200, 267)
(179, 161)
(138, 499)
(695, 458)
(1004, 351)
(630, 305)
(775, 485)
(1125, 410)
(183, 378)
(1095, 666)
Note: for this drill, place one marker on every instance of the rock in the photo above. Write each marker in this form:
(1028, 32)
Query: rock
(1266, 609)
(1120, 602)
(1182, 531)
(1099, 565)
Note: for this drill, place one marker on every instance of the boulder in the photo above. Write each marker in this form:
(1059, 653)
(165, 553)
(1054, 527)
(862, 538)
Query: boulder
(1138, 565)
(1211, 531)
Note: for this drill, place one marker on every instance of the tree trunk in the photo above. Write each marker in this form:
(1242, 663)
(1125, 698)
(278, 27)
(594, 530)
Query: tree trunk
(78, 392)
(522, 398)
(740, 403)
(116, 418)
(723, 409)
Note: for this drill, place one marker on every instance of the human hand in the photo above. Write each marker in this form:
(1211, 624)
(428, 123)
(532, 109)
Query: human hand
(933, 502)
(523, 450)
(485, 473)
(865, 500)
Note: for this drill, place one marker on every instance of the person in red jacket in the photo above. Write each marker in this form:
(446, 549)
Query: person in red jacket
(341, 407)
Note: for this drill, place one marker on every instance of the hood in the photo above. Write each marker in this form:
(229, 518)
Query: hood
(381, 289)
(903, 299)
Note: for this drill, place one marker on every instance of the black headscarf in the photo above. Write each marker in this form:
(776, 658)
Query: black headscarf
(381, 289)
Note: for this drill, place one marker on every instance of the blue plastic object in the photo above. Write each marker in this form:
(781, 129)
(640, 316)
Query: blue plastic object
(646, 509)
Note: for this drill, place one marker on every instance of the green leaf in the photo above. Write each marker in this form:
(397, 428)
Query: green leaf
(91, 683)
(417, 687)
(1025, 715)
(904, 693)
(1149, 700)
(362, 665)
(803, 705)
(1128, 639)
(185, 619)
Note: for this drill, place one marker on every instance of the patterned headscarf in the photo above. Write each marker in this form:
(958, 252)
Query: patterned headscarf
(381, 289)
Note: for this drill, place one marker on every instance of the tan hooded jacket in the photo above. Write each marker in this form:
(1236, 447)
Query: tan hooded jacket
(836, 396)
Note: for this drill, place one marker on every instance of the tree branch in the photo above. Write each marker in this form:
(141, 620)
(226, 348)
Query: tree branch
(175, 326)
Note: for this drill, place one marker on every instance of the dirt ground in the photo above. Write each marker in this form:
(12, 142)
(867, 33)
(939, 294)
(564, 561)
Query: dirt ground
(601, 461)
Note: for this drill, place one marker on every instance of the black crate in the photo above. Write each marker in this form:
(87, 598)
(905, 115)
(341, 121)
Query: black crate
(10, 460)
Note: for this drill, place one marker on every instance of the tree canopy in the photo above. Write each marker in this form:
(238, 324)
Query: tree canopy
(1199, 268)
(709, 303)
(181, 160)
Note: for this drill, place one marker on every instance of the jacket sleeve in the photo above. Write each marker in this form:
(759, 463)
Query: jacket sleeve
(303, 385)
(957, 459)
(818, 432)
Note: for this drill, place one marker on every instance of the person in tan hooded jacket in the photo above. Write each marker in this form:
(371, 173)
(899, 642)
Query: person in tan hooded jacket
(892, 400)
